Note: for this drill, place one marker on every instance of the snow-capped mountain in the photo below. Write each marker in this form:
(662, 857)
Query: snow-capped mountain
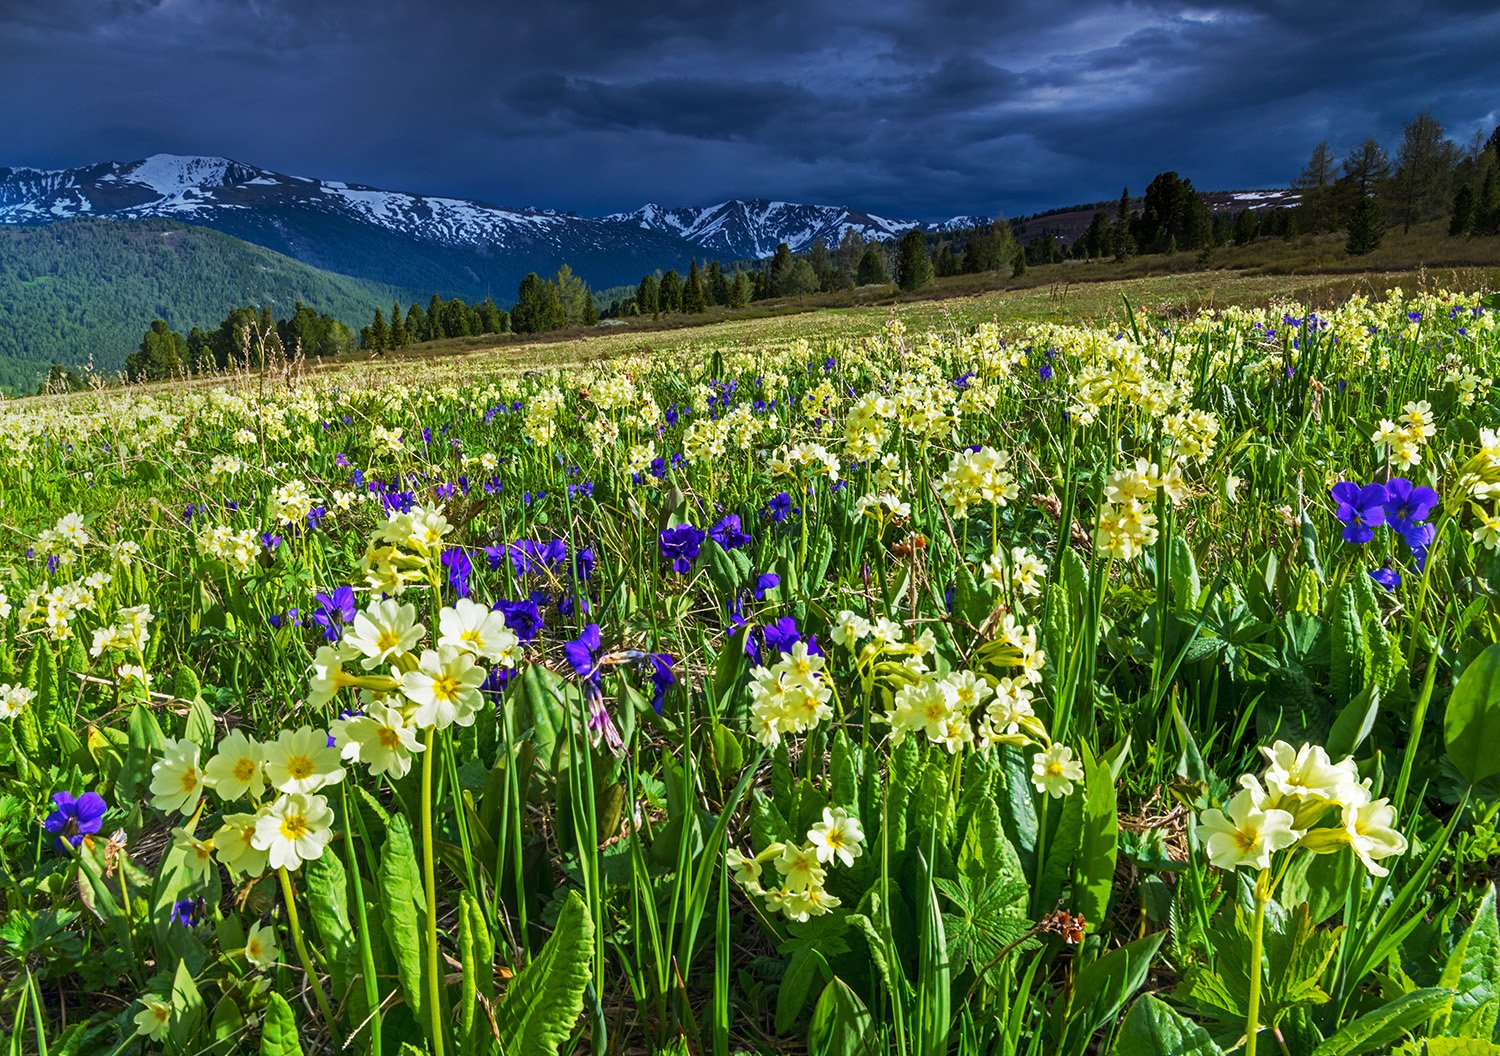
(453, 246)
(753, 229)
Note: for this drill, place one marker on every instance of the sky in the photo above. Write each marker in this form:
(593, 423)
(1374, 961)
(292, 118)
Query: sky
(918, 110)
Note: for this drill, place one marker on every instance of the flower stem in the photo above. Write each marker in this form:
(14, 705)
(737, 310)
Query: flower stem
(429, 880)
(1257, 928)
(313, 980)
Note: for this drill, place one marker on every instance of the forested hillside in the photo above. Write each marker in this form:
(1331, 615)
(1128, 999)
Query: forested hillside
(82, 291)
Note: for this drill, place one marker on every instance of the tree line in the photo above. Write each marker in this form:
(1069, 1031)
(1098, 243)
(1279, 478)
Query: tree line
(247, 337)
(1429, 177)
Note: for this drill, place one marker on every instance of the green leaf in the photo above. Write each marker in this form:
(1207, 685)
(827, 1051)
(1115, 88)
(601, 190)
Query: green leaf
(187, 1008)
(1471, 726)
(1347, 646)
(476, 957)
(324, 884)
(278, 1031)
(1062, 851)
(1355, 721)
(1101, 830)
(841, 1024)
(1186, 587)
(403, 906)
(1473, 973)
(1103, 986)
(1460, 1047)
(226, 1024)
(1153, 1028)
(1379, 1028)
(545, 998)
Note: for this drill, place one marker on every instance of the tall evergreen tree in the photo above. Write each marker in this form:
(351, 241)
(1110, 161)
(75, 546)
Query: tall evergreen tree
(380, 334)
(873, 270)
(416, 323)
(1366, 226)
(400, 338)
(779, 271)
(648, 296)
(1366, 169)
(671, 291)
(913, 268)
(1315, 183)
(1461, 219)
(1422, 184)
(694, 299)
(1122, 241)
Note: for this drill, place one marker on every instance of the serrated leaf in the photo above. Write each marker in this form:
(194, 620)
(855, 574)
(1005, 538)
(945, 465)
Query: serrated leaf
(543, 1001)
(1380, 1027)
(1473, 973)
(324, 884)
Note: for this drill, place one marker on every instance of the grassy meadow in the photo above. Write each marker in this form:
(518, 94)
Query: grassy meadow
(1099, 665)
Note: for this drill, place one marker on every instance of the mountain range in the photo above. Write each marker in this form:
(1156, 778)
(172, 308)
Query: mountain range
(453, 246)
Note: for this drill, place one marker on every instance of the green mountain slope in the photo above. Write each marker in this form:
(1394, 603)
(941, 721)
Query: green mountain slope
(83, 291)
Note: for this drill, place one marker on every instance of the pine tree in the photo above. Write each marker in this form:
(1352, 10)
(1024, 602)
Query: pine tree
(1246, 226)
(648, 296)
(671, 291)
(1424, 171)
(913, 268)
(694, 299)
(947, 263)
(1315, 183)
(779, 271)
(1018, 263)
(1366, 226)
(720, 286)
(743, 290)
(400, 338)
(872, 270)
(1366, 169)
(1461, 221)
(1122, 241)
(380, 334)
(1487, 212)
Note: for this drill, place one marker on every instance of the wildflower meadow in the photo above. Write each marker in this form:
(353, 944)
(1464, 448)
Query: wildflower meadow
(1013, 689)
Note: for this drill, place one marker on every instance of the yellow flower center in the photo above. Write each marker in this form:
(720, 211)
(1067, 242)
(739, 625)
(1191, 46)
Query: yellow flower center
(189, 779)
(244, 769)
(1054, 769)
(445, 687)
(300, 767)
(1246, 839)
(294, 827)
(388, 738)
(387, 640)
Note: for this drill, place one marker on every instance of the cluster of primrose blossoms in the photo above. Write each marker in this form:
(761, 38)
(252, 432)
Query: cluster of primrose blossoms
(801, 867)
(791, 696)
(404, 690)
(1403, 440)
(1127, 523)
(975, 477)
(1302, 799)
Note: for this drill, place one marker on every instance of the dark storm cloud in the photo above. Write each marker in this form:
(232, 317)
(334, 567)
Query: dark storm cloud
(903, 107)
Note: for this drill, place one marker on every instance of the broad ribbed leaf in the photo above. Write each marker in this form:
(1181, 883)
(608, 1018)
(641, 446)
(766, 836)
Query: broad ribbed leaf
(1471, 726)
(1375, 1030)
(402, 905)
(544, 1000)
